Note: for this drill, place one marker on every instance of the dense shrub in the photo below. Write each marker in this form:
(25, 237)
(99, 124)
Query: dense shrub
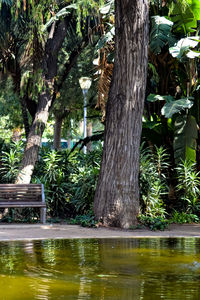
(70, 180)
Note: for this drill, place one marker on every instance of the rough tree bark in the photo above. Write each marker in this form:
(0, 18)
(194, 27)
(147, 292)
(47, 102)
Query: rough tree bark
(117, 195)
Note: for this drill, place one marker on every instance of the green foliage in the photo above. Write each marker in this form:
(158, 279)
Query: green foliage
(183, 16)
(153, 181)
(183, 217)
(185, 138)
(171, 106)
(188, 186)
(10, 161)
(59, 15)
(154, 223)
(52, 171)
(83, 179)
(160, 34)
(10, 111)
(182, 49)
(87, 220)
(108, 37)
(69, 181)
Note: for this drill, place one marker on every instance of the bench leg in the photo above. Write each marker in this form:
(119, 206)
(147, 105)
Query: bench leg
(43, 211)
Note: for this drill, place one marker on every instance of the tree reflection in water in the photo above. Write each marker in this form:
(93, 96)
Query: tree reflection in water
(100, 269)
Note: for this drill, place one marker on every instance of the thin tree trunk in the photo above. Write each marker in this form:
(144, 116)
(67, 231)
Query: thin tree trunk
(35, 135)
(89, 133)
(117, 195)
(69, 139)
(54, 43)
(57, 133)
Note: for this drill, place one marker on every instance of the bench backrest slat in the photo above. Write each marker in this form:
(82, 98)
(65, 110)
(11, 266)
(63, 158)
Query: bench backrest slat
(21, 192)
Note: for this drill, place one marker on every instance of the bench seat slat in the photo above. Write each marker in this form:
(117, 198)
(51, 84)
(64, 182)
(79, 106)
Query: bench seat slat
(19, 200)
(17, 195)
(21, 185)
(4, 189)
(20, 204)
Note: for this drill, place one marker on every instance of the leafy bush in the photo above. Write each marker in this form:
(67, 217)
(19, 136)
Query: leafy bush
(84, 220)
(188, 186)
(83, 179)
(52, 171)
(183, 217)
(10, 161)
(154, 223)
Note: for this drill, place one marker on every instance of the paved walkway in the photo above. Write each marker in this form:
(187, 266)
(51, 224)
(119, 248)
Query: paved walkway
(35, 232)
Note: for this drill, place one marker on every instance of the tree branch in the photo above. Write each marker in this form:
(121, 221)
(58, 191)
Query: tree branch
(87, 140)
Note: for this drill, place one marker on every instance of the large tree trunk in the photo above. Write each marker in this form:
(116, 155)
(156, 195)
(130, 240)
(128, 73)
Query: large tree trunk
(117, 195)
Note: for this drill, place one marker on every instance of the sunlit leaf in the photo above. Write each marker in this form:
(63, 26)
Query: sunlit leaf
(173, 107)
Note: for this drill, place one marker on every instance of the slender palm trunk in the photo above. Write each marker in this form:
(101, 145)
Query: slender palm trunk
(89, 133)
(117, 195)
(57, 133)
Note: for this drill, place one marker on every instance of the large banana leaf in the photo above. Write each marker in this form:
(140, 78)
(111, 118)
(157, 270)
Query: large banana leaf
(185, 138)
(182, 49)
(195, 7)
(173, 107)
(161, 34)
(154, 97)
(61, 14)
(183, 16)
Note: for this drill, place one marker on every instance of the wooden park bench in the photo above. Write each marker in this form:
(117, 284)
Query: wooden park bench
(23, 195)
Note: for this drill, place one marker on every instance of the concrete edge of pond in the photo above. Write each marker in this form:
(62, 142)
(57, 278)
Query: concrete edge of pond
(26, 232)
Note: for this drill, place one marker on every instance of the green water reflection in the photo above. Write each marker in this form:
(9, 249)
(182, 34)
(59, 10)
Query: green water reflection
(100, 269)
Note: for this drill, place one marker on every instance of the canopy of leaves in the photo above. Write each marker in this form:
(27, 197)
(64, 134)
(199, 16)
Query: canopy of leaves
(185, 15)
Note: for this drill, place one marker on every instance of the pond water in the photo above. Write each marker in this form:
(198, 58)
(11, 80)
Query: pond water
(125, 269)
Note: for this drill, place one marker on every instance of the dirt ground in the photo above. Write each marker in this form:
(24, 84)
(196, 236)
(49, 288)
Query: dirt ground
(13, 232)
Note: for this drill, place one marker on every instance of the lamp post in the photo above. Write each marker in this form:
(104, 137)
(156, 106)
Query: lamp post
(85, 83)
